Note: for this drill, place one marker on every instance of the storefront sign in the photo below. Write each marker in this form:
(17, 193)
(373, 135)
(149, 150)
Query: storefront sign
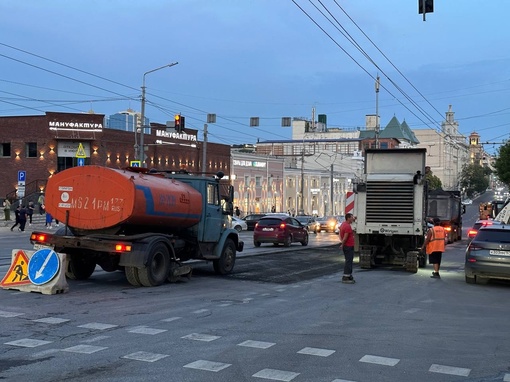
(249, 163)
(176, 135)
(84, 126)
(71, 149)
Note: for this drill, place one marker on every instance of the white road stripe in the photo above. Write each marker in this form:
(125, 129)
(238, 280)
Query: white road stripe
(276, 375)
(379, 360)
(207, 365)
(257, 344)
(150, 331)
(506, 378)
(316, 351)
(52, 320)
(449, 370)
(84, 349)
(28, 343)
(145, 356)
(97, 326)
(200, 337)
(3, 313)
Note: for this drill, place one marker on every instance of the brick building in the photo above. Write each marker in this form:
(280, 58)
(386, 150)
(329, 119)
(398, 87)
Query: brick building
(44, 144)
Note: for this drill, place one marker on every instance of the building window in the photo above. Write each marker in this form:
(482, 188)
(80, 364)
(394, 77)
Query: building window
(5, 150)
(31, 149)
(257, 181)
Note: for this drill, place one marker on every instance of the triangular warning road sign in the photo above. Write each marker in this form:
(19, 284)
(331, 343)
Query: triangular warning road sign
(80, 153)
(18, 272)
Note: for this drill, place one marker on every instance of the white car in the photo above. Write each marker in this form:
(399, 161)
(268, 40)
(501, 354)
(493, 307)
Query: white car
(239, 224)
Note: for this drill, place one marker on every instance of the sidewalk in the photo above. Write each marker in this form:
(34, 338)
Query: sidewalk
(38, 222)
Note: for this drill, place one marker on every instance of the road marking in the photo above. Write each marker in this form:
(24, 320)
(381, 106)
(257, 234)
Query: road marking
(207, 365)
(201, 311)
(28, 343)
(200, 337)
(52, 320)
(257, 344)
(95, 339)
(147, 331)
(84, 349)
(412, 310)
(276, 375)
(145, 356)
(506, 378)
(5, 314)
(171, 319)
(342, 380)
(380, 360)
(97, 326)
(316, 351)
(449, 370)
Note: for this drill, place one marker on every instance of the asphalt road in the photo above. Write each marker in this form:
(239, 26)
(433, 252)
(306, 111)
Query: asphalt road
(283, 315)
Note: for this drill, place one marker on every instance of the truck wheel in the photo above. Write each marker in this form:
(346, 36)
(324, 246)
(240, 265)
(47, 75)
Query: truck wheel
(80, 267)
(412, 261)
(158, 265)
(288, 241)
(225, 264)
(132, 276)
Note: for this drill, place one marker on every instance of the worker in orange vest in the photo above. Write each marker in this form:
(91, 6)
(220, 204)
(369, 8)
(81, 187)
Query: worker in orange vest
(434, 246)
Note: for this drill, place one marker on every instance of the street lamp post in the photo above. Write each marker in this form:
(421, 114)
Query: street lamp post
(141, 150)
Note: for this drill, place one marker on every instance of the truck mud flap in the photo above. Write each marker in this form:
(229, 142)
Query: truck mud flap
(365, 258)
(412, 261)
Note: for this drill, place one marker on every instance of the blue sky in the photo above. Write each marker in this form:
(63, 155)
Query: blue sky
(261, 58)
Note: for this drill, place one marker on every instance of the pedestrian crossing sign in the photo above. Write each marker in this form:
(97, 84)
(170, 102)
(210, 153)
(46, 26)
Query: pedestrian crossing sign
(135, 163)
(80, 153)
(18, 272)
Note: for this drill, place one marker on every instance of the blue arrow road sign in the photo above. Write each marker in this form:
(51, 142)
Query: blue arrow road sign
(43, 266)
(22, 176)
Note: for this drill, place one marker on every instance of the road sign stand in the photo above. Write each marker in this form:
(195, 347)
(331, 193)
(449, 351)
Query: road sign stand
(56, 285)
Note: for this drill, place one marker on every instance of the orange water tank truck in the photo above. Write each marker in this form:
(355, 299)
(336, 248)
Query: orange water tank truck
(145, 222)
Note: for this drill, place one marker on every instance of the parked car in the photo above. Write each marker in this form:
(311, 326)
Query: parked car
(478, 224)
(252, 219)
(279, 230)
(239, 224)
(488, 254)
(328, 224)
(467, 202)
(309, 222)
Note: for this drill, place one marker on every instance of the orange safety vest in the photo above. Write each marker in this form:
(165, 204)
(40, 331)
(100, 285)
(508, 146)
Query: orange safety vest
(436, 243)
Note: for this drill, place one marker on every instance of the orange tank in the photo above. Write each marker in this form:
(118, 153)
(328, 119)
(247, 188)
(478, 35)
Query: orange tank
(99, 198)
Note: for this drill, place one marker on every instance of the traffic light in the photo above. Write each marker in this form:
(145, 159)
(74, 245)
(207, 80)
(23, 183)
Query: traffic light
(429, 6)
(179, 122)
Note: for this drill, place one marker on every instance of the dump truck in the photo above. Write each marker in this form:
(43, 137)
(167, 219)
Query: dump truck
(390, 209)
(447, 206)
(145, 222)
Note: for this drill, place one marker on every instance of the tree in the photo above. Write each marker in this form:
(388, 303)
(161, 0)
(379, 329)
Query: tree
(502, 164)
(433, 181)
(474, 178)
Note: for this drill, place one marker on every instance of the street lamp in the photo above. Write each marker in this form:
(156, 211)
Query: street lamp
(141, 152)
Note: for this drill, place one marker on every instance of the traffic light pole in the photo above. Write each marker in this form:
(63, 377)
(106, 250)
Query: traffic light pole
(141, 151)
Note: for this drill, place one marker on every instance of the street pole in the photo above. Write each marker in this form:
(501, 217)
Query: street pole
(377, 113)
(141, 151)
(204, 151)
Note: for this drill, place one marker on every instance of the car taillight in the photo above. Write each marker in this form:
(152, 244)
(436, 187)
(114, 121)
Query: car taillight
(282, 225)
(472, 232)
(448, 229)
(486, 223)
(41, 238)
(474, 247)
(122, 248)
(256, 225)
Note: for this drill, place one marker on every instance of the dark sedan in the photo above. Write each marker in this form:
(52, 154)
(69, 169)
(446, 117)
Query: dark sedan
(252, 219)
(488, 255)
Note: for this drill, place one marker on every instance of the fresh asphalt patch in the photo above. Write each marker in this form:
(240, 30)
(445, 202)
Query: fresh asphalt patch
(285, 267)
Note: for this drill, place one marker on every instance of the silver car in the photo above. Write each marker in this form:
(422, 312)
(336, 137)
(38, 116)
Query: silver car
(488, 255)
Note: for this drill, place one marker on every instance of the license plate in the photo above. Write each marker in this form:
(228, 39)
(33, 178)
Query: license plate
(42, 246)
(267, 229)
(499, 253)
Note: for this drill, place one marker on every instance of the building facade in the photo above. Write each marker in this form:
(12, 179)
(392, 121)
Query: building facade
(42, 145)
